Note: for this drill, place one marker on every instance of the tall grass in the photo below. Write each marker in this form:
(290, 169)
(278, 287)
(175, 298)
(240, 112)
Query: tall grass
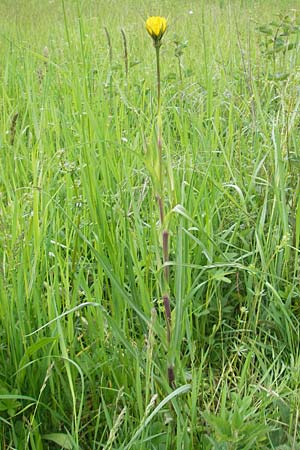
(83, 344)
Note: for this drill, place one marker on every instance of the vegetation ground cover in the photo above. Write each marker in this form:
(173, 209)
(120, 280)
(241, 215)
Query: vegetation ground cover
(83, 340)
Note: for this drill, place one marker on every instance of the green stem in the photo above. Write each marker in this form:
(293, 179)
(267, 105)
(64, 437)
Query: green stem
(159, 121)
(165, 233)
(179, 69)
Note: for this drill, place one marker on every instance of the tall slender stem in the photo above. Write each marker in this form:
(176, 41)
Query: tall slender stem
(157, 49)
(159, 120)
(165, 233)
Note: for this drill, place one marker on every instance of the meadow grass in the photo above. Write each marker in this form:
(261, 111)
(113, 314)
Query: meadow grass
(83, 341)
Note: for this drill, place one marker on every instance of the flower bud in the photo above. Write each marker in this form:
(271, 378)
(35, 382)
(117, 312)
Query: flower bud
(156, 27)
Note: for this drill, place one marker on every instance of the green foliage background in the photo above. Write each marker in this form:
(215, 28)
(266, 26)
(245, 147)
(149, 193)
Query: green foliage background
(83, 351)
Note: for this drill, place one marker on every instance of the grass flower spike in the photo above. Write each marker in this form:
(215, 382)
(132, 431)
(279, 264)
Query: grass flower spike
(156, 27)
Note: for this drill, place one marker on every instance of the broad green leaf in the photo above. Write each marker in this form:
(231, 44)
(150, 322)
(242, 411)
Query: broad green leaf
(59, 438)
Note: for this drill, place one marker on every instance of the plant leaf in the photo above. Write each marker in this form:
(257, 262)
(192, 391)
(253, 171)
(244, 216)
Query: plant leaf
(61, 439)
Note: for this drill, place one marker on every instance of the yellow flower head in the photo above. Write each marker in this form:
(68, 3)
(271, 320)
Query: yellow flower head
(156, 27)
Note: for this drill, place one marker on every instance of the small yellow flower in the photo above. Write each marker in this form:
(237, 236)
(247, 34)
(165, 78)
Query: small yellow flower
(156, 27)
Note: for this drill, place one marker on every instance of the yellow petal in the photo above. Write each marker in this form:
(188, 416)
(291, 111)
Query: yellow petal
(156, 26)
